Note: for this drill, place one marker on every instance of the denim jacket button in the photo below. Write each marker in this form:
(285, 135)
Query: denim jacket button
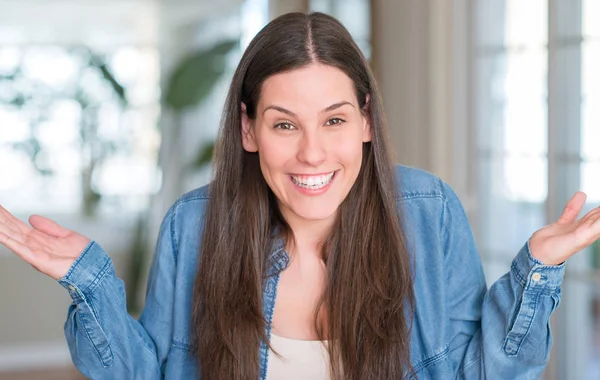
(536, 277)
(72, 288)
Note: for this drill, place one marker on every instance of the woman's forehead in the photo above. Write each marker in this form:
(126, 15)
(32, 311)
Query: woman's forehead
(315, 86)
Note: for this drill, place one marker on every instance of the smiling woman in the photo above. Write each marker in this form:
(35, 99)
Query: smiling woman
(309, 255)
(310, 145)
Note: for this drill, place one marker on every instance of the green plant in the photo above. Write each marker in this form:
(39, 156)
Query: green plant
(193, 80)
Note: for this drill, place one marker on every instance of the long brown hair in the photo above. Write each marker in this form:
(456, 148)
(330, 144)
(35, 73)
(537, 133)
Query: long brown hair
(369, 298)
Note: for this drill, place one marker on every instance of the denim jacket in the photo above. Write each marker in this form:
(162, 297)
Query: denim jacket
(460, 330)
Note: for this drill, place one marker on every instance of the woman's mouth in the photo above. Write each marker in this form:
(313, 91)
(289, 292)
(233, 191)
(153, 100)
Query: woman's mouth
(313, 182)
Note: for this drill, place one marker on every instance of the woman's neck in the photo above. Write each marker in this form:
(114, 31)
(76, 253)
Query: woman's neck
(308, 235)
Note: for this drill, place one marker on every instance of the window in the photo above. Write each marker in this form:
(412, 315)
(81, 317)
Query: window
(78, 121)
(537, 121)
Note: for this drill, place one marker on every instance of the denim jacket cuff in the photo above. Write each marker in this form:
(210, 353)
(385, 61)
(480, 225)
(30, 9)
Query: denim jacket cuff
(533, 274)
(86, 272)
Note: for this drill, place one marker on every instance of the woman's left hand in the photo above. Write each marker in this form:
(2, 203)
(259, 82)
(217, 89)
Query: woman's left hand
(555, 243)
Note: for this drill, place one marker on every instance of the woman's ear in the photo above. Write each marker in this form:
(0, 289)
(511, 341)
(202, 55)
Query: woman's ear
(366, 112)
(248, 140)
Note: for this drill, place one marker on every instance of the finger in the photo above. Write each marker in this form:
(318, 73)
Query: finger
(588, 230)
(37, 240)
(7, 227)
(589, 217)
(573, 208)
(33, 239)
(596, 227)
(18, 248)
(23, 233)
(8, 218)
(16, 236)
(10, 230)
(593, 218)
(48, 226)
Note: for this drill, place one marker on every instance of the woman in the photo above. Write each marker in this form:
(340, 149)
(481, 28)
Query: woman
(309, 256)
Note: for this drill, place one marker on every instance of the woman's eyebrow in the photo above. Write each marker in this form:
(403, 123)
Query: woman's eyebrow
(336, 106)
(288, 112)
(280, 109)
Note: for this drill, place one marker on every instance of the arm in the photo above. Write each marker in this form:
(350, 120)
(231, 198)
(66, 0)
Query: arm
(104, 340)
(502, 333)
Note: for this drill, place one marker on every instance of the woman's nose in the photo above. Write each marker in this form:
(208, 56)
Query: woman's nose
(311, 150)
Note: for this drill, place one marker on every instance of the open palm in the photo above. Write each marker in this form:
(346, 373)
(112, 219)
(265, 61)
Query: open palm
(559, 241)
(48, 247)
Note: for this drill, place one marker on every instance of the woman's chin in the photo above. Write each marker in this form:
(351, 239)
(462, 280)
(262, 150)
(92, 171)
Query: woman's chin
(316, 214)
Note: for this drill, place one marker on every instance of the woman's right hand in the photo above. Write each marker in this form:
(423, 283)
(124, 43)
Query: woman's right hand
(48, 247)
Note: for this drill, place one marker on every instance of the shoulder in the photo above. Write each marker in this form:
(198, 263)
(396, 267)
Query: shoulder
(413, 183)
(189, 201)
(199, 194)
(185, 217)
(425, 201)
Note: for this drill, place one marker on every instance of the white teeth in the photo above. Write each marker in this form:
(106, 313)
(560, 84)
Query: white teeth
(313, 182)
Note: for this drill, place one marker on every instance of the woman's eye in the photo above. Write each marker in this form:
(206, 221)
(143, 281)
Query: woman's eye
(284, 126)
(334, 121)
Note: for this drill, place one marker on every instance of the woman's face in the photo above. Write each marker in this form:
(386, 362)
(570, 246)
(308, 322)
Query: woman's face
(309, 133)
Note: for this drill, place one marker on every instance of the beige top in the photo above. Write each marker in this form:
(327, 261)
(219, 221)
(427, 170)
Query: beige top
(300, 359)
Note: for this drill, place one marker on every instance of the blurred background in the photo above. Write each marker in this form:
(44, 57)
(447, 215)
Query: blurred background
(108, 110)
